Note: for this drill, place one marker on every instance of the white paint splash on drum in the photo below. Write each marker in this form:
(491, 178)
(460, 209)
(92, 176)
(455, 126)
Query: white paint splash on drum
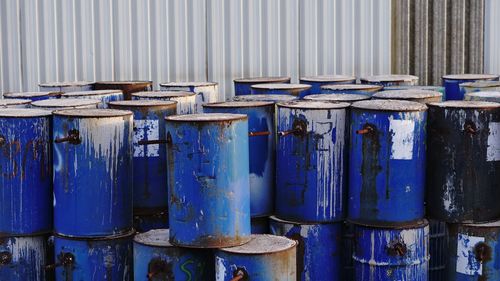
(220, 269)
(29, 248)
(205, 94)
(466, 259)
(493, 149)
(146, 129)
(402, 138)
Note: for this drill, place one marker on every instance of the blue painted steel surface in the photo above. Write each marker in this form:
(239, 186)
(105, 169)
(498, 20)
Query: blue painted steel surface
(264, 258)
(65, 87)
(92, 172)
(311, 161)
(207, 92)
(415, 87)
(483, 96)
(317, 82)
(479, 86)
(298, 90)
(105, 96)
(186, 101)
(351, 89)
(260, 225)
(208, 179)
(347, 250)
(452, 83)
(149, 160)
(272, 98)
(25, 171)
(319, 250)
(243, 86)
(146, 221)
(94, 259)
(14, 103)
(24, 258)
(33, 96)
(438, 249)
(387, 254)
(390, 80)
(156, 259)
(387, 161)
(262, 150)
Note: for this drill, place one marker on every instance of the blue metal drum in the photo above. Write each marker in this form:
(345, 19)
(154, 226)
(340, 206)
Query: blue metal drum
(391, 80)
(25, 171)
(483, 96)
(208, 180)
(347, 250)
(262, 149)
(24, 258)
(156, 259)
(186, 101)
(416, 87)
(92, 172)
(65, 87)
(438, 249)
(387, 254)
(243, 86)
(387, 162)
(311, 161)
(94, 259)
(264, 258)
(358, 89)
(480, 86)
(62, 104)
(207, 92)
(298, 90)
(105, 96)
(317, 82)
(33, 96)
(452, 83)
(149, 150)
(14, 103)
(146, 221)
(350, 98)
(422, 96)
(319, 250)
(272, 98)
(260, 225)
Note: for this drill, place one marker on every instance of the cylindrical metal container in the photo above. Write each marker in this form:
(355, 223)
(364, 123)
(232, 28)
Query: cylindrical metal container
(483, 96)
(347, 250)
(264, 258)
(186, 101)
(479, 86)
(422, 96)
(260, 225)
(387, 162)
(317, 81)
(350, 98)
(62, 104)
(242, 86)
(298, 90)
(208, 180)
(273, 98)
(24, 258)
(415, 87)
(311, 161)
(358, 89)
(262, 150)
(33, 96)
(156, 259)
(146, 221)
(391, 80)
(207, 92)
(452, 83)
(387, 254)
(463, 151)
(93, 259)
(127, 87)
(65, 87)
(25, 171)
(319, 250)
(105, 96)
(92, 172)
(438, 249)
(14, 103)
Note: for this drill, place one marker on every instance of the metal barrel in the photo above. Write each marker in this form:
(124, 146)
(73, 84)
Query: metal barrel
(24, 258)
(149, 150)
(262, 149)
(186, 101)
(208, 180)
(317, 81)
(438, 249)
(32, 96)
(390, 80)
(347, 250)
(298, 90)
(311, 161)
(474, 252)
(260, 225)
(25, 171)
(415, 87)
(358, 89)
(479, 86)
(272, 98)
(156, 259)
(451, 83)
(386, 254)
(319, 249)
(483, 96)
(104, 258)
(65, 104)
(463, 151)
(92, 172)
(127, 87)
(207, 92)
(14, 103)
(422, 96)
(387, 162)
(65, 87)
(243, 86)
(265, 257)
(350, 98)
(148, 220)
(105, 96)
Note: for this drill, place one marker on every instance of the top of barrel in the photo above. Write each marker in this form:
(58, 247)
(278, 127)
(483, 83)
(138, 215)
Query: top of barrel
(263, 244)
(187, 84)
(413, 87)
(278, 86)
(481, 84)
(485, 94)
(407, 94)
(54, 103)
(270, 79)
(66, 84)
(142, 103)
(23, 112)
(390, 78)
(230, 104)
(29, 94)
(337, 97)
(206, 117)
(485, 224)
(328, 78)
(91, 93)
(340, 87)
(7, 102)
(271, 98)
(470, 76)
(93, 113)
(124, 82)
(312, 104)
(163, 94)
(466, 104)
(155, 237)
(389, 105)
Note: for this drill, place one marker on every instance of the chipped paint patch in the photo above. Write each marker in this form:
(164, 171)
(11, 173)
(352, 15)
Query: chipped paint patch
(146, 130)
(402, 138)
(466, 260)
(493, 149)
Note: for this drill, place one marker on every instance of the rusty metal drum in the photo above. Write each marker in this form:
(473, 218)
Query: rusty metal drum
(452, 83)
(62, 104)
(207, 92)
(298, 90)
(127, 87)
(358, 89)
(65, 87)
(483, 96)
(208, 180)
(33, 96)
(422, 96)
(350, 98)
(186, 101)
(105, 96)
(463, 151)
(390, 80)
(317, 81)
(14, 103)
(243, 86)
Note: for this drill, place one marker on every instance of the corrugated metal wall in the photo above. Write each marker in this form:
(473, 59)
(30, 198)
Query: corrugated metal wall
(179, 40)
(492, 37)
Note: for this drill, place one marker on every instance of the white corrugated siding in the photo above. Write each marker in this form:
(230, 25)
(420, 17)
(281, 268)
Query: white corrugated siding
(179, 40)
(492, 37)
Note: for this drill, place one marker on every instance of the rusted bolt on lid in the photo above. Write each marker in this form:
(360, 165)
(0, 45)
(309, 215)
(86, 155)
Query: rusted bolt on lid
(240, 274)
